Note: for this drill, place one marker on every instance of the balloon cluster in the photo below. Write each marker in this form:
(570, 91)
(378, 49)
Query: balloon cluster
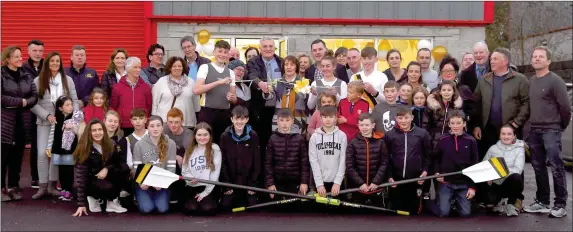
(438, 52)
(204, 46)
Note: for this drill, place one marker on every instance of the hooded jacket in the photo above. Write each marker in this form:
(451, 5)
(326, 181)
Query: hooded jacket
(410, 152)
(514, 156)
(440, 113)
(327, 155)
(146, 151)
(241, 159)
(287, 159)
(366, 160)
(15, 87)
(455, 153)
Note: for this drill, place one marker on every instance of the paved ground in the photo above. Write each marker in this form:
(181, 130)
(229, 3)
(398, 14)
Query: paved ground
(52, 215)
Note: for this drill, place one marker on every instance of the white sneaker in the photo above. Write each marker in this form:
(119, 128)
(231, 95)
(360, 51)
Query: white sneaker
(123, 194)
(115, 207)
(94, 204)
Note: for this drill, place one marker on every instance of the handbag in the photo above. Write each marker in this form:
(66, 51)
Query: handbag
(63, 159)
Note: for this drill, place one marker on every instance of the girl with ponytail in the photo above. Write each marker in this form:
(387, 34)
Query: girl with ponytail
(159, 150)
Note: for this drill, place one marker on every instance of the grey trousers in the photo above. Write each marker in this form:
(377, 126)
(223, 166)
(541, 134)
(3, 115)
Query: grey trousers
(45, 168)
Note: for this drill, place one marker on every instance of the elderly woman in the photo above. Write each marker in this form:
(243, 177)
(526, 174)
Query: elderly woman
(243, 88)
(19, 94)
(51, 84)
(176, 90)
(131, 92)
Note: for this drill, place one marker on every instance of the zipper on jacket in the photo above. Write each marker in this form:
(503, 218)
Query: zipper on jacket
(456, 141)
(367, 159)
(445, 117)
(405, 154)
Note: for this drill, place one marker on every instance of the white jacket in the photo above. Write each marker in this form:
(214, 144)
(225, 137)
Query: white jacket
(514, 156)
(186, 101)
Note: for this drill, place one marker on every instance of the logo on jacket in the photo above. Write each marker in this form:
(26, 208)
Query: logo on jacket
(89, 75)
(387, 121)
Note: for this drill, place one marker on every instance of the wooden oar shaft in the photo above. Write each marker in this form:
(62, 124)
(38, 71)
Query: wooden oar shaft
(403, 181)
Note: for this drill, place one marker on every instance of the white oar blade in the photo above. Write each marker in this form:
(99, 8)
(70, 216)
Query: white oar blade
(491, 169)
(156, 177)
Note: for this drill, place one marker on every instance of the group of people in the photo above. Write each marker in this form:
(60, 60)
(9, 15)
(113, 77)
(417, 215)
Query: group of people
(284, 124)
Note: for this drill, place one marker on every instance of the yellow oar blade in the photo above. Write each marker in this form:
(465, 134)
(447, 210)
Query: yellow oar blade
(238, 209)
(487, 170)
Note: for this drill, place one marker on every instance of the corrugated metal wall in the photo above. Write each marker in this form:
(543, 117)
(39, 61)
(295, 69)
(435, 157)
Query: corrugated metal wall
(100, 26)
(326, 9)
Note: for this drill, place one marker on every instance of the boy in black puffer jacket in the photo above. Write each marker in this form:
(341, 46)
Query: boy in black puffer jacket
(410, 157)
(366, 161)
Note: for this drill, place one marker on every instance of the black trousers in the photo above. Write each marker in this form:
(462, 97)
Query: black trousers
(264, 130)
(207, 206)
(218, 119)
(238, 198)
(12, 155)
(104, 189)
(66, 173)
(405, 197)
(511, 188)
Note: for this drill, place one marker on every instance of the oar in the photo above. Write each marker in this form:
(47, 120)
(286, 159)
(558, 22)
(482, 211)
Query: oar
(491, 169)
(158, 177)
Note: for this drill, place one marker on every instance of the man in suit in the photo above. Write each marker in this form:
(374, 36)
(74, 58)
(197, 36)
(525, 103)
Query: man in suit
(478, 69)
(319, 50)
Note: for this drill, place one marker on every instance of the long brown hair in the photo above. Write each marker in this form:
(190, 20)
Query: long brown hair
(163, 143)
(111, 66)
(455, 96)
(85, 145)
(99, 90)
(46, 75)
(208, 146)
(419, 89)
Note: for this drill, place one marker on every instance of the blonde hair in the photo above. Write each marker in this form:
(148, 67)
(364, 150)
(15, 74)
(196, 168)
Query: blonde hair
(119, 131)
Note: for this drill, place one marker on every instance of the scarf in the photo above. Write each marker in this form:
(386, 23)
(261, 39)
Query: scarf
(56, 88)
(176, 86)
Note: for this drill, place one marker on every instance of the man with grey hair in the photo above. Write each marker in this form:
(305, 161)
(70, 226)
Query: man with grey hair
(194, 60)
(550, 117)
(263, 70)
(478, 69)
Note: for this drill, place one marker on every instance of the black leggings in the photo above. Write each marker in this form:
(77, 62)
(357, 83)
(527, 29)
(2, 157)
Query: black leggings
(218, 119)
(511, 188)
(207, 206)
(238, 198)
(66, 173)
(404, 197)
(12, 163)
(103, 189)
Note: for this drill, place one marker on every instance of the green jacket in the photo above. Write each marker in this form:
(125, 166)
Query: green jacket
(515, 99)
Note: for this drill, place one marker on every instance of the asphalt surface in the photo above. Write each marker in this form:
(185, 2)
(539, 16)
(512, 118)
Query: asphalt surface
(54, 215)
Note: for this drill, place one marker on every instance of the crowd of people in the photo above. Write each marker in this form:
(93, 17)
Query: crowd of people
(299, 124)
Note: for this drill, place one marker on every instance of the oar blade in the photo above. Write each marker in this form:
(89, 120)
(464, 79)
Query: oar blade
(156, 177)
(487, 170)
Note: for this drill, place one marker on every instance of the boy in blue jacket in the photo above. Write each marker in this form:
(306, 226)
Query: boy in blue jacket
(410, 157)
(455, 151)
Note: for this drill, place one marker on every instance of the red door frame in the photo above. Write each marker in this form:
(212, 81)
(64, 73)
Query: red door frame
(152, 20)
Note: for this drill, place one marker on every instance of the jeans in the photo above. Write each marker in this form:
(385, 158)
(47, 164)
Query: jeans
(151, 199)
(545, 146)
(450, 191)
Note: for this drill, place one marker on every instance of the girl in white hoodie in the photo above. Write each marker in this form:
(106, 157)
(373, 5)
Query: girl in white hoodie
(513, 152)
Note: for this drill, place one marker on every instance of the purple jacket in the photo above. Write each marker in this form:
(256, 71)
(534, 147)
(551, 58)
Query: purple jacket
(85, 81)
(454, 153)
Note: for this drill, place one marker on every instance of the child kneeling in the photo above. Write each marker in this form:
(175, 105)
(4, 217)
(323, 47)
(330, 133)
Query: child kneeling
(455, 151)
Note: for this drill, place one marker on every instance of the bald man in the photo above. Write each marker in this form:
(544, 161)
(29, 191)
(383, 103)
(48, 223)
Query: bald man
(471, 75)
(234, 54)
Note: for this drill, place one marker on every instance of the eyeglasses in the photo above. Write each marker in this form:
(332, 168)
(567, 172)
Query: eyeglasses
(158, 54)
(448, 71)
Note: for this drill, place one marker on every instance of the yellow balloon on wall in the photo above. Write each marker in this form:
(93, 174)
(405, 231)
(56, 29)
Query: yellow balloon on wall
(414, 44)
(369, 44)
(330, 44)
(384, 45)
(401, 45)
(203, 36)
(348, 43)
(439, 52)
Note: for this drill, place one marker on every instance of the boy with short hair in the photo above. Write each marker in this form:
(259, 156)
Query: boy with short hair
(216, 85)
(286, 163)
(385, 112)
(455, 151)
(374, 80)
(366, 160)
(241, 159)
(138, 118)
(327, 153)
(411, 148)
(350, 109)
(182, 137)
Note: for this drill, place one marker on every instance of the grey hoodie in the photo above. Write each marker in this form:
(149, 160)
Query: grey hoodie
(514, 156)
(146, 151)
(384, 116)
(327, 156)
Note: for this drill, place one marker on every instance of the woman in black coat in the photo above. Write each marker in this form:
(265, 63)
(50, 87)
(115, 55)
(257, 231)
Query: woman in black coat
(18, 96)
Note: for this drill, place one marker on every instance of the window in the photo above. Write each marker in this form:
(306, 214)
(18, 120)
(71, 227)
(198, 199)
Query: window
(242, 43)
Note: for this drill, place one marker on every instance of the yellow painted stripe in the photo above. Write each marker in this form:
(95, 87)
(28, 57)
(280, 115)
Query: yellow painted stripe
(497, 165)
(143, 173)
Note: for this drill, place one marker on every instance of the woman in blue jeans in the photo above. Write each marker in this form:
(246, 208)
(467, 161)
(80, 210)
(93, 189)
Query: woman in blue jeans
(159, 150)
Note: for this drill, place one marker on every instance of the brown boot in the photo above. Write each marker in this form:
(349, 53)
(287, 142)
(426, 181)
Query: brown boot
(52, 190)
(42, 191)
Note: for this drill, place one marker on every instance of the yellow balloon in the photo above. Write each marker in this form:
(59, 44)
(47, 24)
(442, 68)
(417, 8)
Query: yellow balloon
(203, 36)
(370, 44)
(439, 52)
(401, 45)
(384, 45)
(348, 43)
(331, 44)
(414, 44)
